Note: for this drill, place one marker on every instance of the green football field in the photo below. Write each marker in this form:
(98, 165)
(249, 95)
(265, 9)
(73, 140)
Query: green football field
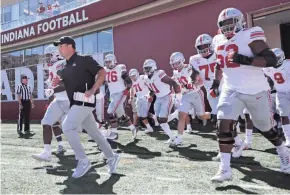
(147, 166)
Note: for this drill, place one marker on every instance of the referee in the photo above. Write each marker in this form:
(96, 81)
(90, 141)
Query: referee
(25, 101)
(79, 79)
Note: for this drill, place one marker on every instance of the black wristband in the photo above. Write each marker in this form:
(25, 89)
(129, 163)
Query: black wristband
(215, 84)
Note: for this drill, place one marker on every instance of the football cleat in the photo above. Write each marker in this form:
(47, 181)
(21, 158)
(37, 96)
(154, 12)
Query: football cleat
(238, 150)
(44, 156)
(285, 162)
(134, 133)
(222, 175)
(149, 130)
(60, 149)
(176, 142)
(287, 142)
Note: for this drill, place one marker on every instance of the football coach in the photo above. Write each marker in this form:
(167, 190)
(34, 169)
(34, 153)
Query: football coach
(79, 79)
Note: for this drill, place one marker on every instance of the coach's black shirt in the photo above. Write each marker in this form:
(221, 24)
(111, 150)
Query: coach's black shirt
(79, 72)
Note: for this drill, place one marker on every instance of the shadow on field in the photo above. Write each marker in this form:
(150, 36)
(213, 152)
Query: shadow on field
(269, 150)
(89, 185)
(271, 177)
(159, 135)
(234, 187)
(194, 154)
(206, 135)
(133, 148)
(84, 185)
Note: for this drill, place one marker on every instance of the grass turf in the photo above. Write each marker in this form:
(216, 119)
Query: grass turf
(147, 166)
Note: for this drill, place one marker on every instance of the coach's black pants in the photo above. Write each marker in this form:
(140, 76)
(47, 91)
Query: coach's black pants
(24, 114)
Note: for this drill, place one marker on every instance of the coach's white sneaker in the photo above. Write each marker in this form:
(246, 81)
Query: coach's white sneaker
(113, 163)
(44, 156)
(149, 130)
(287, 142)
(222, 175)
(285, 162)
(83, 167)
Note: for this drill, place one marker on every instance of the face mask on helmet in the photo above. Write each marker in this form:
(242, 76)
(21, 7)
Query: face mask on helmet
(148, 70)
(109, 64)
(228, 27)
(133, 74)
(176, 65)
(280, 56)
(205, 50)
(279, 61)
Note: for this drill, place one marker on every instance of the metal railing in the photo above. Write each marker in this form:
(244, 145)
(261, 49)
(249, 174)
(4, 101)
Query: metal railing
(47, 14)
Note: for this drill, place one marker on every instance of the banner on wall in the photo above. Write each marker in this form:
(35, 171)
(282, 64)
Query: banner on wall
(11, 78)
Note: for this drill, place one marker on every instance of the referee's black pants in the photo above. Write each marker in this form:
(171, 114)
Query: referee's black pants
(24, 114)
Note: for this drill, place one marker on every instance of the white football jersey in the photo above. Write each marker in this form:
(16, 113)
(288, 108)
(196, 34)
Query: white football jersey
(280, 76)
(139, 86)
(59, 65)
(102, 93)
(114, 78)
(205, 67)
(155, 84)
(183, 78)
(241, 78)
(182, 89)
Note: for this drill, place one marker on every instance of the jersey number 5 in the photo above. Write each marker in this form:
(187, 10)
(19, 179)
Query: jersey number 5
(224, 61)
(112, 76)
(279, 78)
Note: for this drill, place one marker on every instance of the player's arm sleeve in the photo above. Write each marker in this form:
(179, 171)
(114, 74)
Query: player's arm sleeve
(127, 79)
(256, 33)
(263, 55)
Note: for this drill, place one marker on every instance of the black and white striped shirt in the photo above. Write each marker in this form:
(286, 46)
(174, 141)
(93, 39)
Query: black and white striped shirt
(24, 91)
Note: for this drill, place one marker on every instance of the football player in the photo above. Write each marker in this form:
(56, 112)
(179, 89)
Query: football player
(143, 100)
(242, 54)
(119, 84)
(192, 97)
(58, 107)
(204, 62)
(280, 75)
(177, 100)
(160, 85)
